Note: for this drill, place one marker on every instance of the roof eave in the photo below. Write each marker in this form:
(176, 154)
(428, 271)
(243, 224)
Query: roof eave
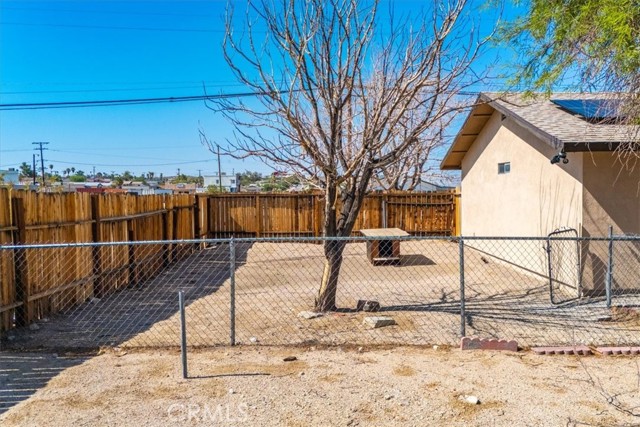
(482, 99)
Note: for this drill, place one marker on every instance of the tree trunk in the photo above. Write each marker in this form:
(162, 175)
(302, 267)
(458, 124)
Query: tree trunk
(341, 226)
(326, 299)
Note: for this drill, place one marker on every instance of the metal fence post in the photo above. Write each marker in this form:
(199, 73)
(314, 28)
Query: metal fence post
(463, 320)
(609, 278)
(183, 335)
(232, 290)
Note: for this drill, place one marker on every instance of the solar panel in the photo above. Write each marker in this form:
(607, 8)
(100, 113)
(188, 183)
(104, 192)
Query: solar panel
(591, 109)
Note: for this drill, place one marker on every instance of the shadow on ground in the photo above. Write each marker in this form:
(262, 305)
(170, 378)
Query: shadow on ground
(130, 311)
(415, 259)
(22, 374)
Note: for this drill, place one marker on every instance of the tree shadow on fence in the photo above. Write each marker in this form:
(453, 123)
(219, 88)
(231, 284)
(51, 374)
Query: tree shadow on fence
(131, 311)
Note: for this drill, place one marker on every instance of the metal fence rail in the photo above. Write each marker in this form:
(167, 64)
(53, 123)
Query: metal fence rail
(553, 290)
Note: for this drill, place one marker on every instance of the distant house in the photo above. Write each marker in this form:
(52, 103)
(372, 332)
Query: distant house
(134, 187)
(94, 187)
(152, 191)
(229, 183)
(532, 166)
(251, 188)
(181, 188)
(430, 186)
(9, 176)
(423, 186)
(281, 174)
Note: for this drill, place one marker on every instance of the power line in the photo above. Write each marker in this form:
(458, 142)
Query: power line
(129, 165)
(144, 101)
(199, 82)
(112, 102)
(107, 151)
(138, 101)
(120, 156)
(199, 86)
(98, 90)
(42, 9)
(100, 27)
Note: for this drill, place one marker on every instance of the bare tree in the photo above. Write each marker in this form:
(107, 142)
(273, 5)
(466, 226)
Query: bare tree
(343, 91)
(411, 167)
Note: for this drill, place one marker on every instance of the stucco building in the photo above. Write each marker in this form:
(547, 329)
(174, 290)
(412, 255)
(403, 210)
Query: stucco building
(227, 183)
(510, 187)
(10, 176)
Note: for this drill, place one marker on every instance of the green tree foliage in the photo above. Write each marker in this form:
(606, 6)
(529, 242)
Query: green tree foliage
(592, 44)
(25, 170)
(214, 189)
(186, 179)
(78, 177)
(248, 177)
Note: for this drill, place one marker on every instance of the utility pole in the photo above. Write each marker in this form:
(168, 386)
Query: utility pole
(41, 158)
(33, 170)
(219, 169)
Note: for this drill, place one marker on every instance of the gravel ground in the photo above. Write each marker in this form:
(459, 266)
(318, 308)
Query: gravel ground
(328, 386)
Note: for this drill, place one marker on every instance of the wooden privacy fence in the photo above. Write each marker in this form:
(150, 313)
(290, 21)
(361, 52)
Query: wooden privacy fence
(280, 215)
(35, 283)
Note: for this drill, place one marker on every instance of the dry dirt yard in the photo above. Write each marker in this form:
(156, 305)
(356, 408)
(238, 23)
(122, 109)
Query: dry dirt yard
(274, 282)
(414, 386)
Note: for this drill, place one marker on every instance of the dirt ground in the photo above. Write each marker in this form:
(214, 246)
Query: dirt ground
(254, 386)
(274, 282)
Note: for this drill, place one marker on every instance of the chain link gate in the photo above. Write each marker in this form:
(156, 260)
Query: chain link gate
(564, 262)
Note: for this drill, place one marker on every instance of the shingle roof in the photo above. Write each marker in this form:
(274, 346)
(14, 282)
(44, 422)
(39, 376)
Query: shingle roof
(552, 124)
(558, 123)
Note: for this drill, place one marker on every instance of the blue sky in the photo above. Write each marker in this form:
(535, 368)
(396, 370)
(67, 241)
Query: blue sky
(76, 51)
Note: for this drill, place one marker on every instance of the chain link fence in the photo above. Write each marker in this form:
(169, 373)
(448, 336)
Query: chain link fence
(558, 290)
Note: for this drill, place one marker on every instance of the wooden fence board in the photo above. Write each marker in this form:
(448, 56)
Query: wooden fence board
(54, 279)
(280, 215)
(7, 278)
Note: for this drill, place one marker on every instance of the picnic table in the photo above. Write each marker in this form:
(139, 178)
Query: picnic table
(383, 248)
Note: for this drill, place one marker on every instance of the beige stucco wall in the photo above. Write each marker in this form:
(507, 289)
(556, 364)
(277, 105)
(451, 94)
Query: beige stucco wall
(611, 197)
(588, 194)
(534, 199)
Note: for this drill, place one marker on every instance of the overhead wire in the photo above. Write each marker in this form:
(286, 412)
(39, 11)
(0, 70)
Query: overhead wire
(129, 165)
(113, 102)
(111, 12)
(104, 27)
(143, 101)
